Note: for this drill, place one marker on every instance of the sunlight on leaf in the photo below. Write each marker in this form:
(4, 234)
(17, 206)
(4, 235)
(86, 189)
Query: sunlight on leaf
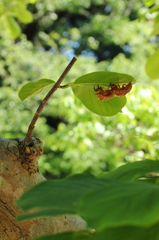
(33, 88)
(121, 203)
(132, 171)
(68, 190)
(84, 89)
(152, 64)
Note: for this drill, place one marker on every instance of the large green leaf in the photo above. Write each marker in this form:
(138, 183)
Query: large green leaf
(34, 88)
(119, 204)
(61, 196)
(66, 236)
(11, 25)
(128, 233)
(155, 31)
(84, 86)
(23, 14)
(148, 3)
(119, 233)
(54, 211)
(132, 171)
(152, 64)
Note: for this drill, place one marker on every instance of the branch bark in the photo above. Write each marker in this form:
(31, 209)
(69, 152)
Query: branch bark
(45, 100)
(18, 172)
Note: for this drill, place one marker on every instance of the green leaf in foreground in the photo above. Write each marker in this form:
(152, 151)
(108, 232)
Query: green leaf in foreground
(132, 171)
(127, 233)
(33, 88)
(66, 236)
(118, 233)
(119, 204)
(84, 86)
(61, 196)
(152, 64)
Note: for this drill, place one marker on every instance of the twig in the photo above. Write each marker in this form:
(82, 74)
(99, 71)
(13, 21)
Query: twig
(44, 101)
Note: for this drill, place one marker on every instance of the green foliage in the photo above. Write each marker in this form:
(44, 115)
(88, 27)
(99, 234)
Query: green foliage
(34, 88)
(121, 233)
(108, 205)
(131, 172)
(68, 235)
(149, 3)
(9, 10)
(84, 86)
(11, 25)
(68, 191)
(66, 123)
(152, 65)
(119, 204)
(116, 203)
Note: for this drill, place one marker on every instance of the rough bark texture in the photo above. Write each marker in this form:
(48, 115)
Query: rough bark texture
(18, 172)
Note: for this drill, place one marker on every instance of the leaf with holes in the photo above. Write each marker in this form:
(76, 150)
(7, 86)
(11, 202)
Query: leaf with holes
(84, 89)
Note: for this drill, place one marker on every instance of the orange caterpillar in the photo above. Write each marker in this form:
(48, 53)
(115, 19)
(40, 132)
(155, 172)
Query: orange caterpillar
(104, 95)
(115, 90)
(121, 91)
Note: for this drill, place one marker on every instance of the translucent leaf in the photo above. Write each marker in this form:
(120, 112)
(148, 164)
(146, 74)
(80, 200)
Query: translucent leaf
(61, 196)
(132, 171)
(33, 1)
(155, 30)
(33, 88)
(84, 88)
(12, 26)
(23, 14)
(154, 8)
(149, 3)
(152, 64)
(119, 204)
(119, 233)
(127, 233)
(1, 8)
(67, 236)
(153, 137)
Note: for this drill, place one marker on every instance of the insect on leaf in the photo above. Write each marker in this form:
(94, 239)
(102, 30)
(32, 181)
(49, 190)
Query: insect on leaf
(86, 89)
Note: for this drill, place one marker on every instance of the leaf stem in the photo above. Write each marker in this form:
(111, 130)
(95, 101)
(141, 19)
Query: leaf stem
(67, 85)
(44, 101)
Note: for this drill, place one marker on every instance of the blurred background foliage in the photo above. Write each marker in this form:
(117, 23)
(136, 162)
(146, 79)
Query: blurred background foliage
(104, 35)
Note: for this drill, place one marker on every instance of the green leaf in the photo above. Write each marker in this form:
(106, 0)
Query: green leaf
(66, 236)
(132, 171)
(128, 233)
(33, 88)
(153, 136)
(1, 8)
(155, 8)
(149, 3)
(84, 86)
(119, 204)
(12, 26)
(155, 30)
(61, 196)
(152, 64)
(119, 233)
(23, 14)
(55, 211)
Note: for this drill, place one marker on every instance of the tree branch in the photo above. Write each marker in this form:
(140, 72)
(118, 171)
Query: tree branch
(44, 101)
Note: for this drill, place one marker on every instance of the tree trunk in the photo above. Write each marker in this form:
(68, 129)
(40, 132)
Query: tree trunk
(18, 172)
